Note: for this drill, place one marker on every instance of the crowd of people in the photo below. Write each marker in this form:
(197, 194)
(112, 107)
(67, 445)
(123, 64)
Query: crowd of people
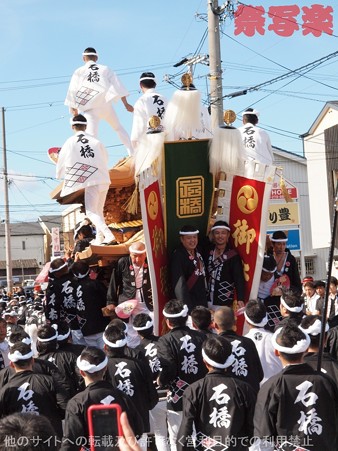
(200, 384)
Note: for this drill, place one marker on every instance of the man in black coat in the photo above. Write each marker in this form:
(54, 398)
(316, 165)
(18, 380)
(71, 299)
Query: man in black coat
(187, 270)
(247, 365)
(219, 408)
(91, 298)
(224, 269)
(27, 391)
(297, 405)
(130, 280)
(92, 364)
(180, 355)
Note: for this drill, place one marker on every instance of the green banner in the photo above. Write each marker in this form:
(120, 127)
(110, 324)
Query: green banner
(188, 188)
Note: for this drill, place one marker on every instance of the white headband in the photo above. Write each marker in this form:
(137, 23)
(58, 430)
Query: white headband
(58, 269)
(261, 324)
(16, 356)
(117, 344)
(291, 309)
(229, 361)
(300, 346)
(84, 365)
(11, 313)
(220, 227)
(43, 340)
(72, 122)
(315, 328)
(148, 325)
(255, 112)
(124, 325)
(89, 54)
(190, 233)
(136, 251)
(81, 276)
(279, 240)
(182, 313)
(148, 78)
(63, 337)
(267, 270)
(26, 340)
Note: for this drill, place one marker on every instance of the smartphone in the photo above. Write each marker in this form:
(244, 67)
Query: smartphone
(104, 426)
(287, 446)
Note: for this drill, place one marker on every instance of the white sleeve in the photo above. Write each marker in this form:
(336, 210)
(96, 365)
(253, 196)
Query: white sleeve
(139, 126)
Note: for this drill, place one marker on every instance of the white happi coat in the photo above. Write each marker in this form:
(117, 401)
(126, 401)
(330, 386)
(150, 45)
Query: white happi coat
(83, 162)
(92, 86)
(149, 104)
(257, 144)
(270, 362)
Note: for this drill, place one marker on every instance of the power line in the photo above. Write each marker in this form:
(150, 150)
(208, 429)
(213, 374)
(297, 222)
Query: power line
(307, 68)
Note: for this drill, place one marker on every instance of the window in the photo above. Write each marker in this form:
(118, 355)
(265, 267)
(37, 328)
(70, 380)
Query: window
(24, 245)
(309, 265)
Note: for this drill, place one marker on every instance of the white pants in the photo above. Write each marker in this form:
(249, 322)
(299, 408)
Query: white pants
(95, 197)
(107, 113)
(95, 340)
(174, 423)
(77, 337)
(159, 425)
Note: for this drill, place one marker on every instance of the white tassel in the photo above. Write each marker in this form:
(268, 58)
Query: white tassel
(226, 152)
(149, 149)
(183, 115)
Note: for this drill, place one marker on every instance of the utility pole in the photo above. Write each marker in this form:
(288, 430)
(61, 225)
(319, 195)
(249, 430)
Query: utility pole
(9, 269)
(215, 76)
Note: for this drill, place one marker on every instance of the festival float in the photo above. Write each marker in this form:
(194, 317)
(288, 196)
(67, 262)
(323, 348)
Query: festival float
(177, 178)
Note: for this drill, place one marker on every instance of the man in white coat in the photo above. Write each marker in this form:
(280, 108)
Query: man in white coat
(83, 163)
(151, 103)
(93, 88)
(256, 141)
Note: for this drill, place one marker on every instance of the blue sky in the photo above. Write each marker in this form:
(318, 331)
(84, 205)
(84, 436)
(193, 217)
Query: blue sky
(42, 42)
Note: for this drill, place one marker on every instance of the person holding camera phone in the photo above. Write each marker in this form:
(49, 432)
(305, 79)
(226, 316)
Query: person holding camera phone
(92, 364)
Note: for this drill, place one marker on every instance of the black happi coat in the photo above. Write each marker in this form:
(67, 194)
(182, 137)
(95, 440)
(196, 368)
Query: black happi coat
(133, 377)
(76, 421)
(71, 347)
(291, 270)
(220, 407)
(91, 298)
(329, 364)
(182, 266)
(61, 301)
(66, 364)
(247, 365)
(332, 342)
(41, 366)
(299, 402)
(122, 285)
(34, 393)
(225, 274)
(180, 354)
(148, 348)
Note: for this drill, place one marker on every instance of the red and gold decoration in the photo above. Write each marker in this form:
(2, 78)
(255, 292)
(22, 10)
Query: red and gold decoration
(153, 226)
